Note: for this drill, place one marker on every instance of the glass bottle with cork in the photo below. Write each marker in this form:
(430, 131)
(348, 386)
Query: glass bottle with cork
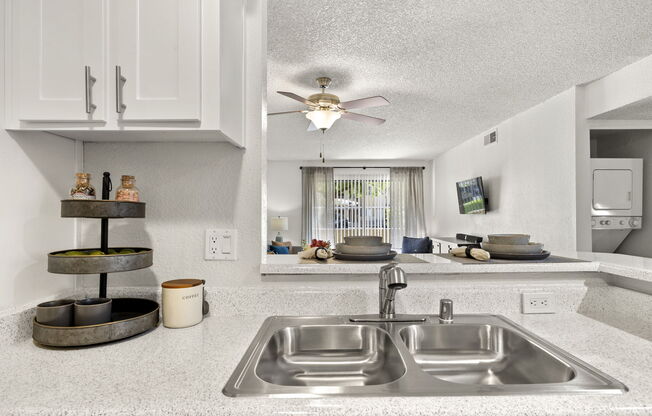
(83, 188)
(127, 190)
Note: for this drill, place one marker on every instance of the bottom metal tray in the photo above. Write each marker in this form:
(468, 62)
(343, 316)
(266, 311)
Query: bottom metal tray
(129, 317)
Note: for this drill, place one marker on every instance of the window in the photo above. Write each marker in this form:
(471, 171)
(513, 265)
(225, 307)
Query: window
(341, 202)
(361, 203)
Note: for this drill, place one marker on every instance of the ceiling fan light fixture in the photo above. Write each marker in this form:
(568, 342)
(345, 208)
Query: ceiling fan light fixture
(323, 119)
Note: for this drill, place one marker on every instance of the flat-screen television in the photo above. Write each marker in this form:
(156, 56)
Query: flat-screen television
(471, 197)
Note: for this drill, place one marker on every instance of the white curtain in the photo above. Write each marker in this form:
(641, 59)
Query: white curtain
(317, 214)
(406, 201)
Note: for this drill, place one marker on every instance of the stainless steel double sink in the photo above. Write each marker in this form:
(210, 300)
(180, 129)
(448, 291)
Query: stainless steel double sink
(341, 356)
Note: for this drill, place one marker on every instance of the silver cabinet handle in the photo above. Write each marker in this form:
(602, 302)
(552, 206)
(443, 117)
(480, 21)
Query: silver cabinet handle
(119, 82)
(89, 81)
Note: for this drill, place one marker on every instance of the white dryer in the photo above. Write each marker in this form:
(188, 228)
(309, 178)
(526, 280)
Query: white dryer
(617, 203)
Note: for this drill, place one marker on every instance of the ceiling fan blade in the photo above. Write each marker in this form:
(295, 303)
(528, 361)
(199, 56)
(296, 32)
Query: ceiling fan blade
(285, 112)
(298, 98)
(362, 118)
(312, 127)
(364, 102)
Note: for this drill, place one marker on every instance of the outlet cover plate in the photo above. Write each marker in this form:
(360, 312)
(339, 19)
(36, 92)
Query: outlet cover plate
(537, 302)
(221, 244)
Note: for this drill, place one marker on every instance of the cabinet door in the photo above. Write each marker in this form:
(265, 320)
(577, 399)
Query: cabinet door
(156, 44)
(52, 42)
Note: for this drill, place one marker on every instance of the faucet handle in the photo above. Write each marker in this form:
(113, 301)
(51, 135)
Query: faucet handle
(388, 266)
(446, 311)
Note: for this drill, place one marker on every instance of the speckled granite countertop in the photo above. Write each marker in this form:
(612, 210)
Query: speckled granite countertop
(291, 264)
(182, 371)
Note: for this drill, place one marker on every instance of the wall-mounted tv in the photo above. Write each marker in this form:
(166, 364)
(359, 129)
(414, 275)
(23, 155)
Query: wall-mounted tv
(471, 197)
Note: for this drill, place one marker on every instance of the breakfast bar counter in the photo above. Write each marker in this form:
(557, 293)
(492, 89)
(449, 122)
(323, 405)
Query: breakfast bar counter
(283, 264)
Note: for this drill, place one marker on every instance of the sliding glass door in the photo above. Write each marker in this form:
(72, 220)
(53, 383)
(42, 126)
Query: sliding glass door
(362, 202)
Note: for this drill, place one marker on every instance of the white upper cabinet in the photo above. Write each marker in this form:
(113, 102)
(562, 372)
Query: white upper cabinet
(127, 70)
(55, 40)
(156, 47)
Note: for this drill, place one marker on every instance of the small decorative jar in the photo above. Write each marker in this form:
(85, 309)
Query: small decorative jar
(83, 188)
(127, 191)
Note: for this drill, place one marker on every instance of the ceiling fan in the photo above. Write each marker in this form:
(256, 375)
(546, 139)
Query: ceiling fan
(324, 108)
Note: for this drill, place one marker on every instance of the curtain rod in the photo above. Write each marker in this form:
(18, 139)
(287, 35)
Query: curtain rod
(362, 167)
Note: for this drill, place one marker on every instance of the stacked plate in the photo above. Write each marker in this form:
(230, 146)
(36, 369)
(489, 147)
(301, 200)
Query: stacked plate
(514, 247)
(364, 248)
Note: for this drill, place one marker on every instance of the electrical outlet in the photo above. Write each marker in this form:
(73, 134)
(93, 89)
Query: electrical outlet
(212, 244)
(537, 302)
(221, 244)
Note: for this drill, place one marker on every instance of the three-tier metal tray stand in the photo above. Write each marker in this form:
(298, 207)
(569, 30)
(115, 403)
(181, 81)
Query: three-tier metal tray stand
(129, 316)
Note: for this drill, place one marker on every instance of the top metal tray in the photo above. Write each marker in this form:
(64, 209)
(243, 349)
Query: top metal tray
(100, 208)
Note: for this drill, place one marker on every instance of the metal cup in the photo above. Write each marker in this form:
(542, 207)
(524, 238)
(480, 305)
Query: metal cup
(55, 313)
(92, 311)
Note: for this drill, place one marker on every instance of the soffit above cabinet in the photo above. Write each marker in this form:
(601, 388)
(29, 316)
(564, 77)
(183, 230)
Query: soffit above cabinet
(127, 70)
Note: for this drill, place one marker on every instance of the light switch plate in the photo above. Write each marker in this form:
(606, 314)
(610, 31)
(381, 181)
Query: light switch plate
(221, 244)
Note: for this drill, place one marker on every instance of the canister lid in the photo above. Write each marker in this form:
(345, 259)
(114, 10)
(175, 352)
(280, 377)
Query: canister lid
(182, 283)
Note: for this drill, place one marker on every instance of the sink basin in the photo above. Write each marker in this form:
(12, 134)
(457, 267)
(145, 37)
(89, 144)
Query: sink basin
(482, 354)
(323, 356)
(330, 355)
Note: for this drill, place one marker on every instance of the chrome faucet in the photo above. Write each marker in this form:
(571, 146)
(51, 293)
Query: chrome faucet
(391, 279)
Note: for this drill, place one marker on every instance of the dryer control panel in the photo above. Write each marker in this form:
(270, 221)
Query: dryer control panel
(616, 223)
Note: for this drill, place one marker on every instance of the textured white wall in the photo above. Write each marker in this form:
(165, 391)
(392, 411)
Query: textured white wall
(37, 170)
(529, 175)
(625, 86)
(284, 189)
(188, 187)
(634, 144)
(284, 197)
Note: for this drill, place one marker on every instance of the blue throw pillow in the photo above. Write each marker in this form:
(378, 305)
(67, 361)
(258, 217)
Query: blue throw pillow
(417, 245)
(280, 249)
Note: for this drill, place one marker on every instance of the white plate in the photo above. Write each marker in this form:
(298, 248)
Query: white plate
(365, 257)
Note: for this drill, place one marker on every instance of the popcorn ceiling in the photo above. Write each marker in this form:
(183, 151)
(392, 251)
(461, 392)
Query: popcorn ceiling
(450, 69)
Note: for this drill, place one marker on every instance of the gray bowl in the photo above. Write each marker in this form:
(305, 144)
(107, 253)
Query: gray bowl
(363, 240)
(347, 249)
(521, 239)
(92, 311)
(56, 312)
(531, 248)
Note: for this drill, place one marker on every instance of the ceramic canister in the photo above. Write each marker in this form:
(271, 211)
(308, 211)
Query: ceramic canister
(183, 302)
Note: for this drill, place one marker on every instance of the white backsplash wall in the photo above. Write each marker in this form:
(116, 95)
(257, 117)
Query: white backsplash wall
(188, 187)
(632, 144)
(37, 170)
(284, 189)
(529, 177)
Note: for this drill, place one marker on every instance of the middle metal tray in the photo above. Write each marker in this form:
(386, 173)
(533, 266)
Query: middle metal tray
(95, 264)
